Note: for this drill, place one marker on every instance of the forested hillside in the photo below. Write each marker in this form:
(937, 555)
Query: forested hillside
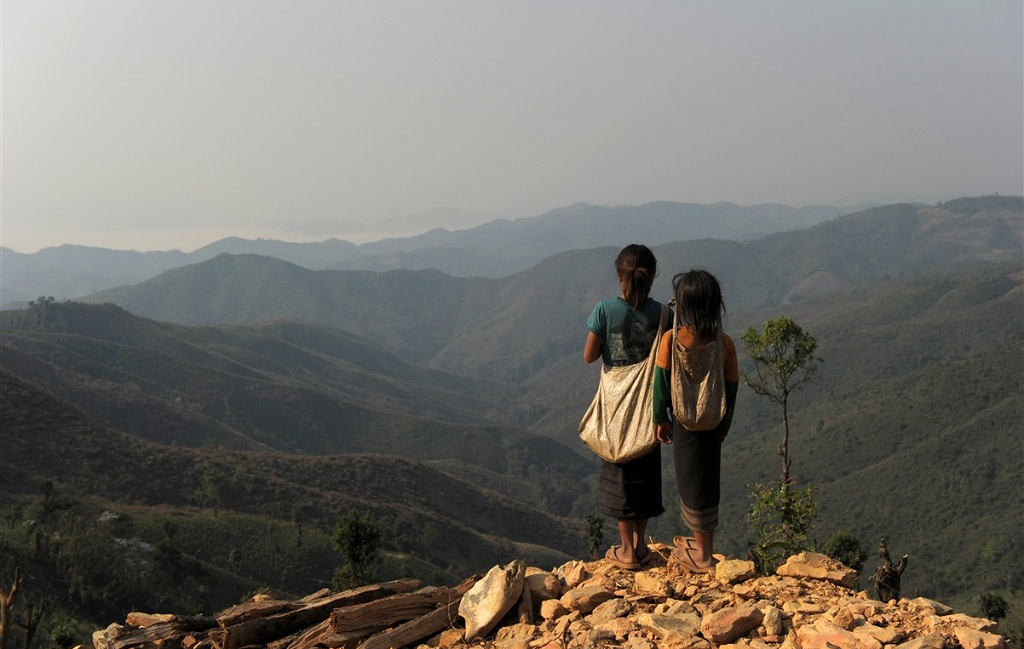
(90, 511)
(233, 385)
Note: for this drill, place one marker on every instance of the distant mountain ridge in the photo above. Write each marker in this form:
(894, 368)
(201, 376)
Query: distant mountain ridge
(494, 249)
(465, 325)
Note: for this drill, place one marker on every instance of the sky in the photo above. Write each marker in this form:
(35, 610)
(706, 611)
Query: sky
(158, 125)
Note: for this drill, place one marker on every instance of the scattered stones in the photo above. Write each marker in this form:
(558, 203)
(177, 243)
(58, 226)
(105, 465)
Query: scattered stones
(807, 605)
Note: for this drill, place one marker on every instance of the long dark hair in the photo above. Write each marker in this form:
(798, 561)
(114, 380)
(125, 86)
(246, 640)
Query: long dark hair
(699, 303)
(636, 267)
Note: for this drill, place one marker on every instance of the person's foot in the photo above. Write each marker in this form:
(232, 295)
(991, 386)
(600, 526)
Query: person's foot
(689, 560)
(617, 556)
(644, 555)
(685, 542)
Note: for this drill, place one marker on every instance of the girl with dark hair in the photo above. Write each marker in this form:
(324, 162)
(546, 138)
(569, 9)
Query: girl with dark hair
(704, 356)
(622, 331)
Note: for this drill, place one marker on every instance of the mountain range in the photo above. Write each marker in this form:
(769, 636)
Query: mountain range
(312, 387)
(493, 249)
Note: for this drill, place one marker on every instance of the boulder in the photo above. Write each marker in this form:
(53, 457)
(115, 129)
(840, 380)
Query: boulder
(491, 598)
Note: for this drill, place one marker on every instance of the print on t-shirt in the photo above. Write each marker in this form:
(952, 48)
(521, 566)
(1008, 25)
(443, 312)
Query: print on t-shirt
(630, 343)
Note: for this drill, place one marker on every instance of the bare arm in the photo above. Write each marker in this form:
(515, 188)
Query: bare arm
(592, 350)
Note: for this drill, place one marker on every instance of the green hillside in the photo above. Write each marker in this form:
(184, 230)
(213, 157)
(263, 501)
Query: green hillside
(263, 522)
(277, 386)
(910, 430)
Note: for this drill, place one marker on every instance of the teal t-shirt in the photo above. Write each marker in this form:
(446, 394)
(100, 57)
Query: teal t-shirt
(627, 333)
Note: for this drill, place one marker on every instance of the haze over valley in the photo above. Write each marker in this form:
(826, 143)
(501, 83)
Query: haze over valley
(244, 390)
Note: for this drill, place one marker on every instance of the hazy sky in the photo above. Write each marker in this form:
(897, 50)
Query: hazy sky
(152, 125)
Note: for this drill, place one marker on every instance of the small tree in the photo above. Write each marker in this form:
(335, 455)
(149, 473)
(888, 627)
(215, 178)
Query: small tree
(784, 358)
(781, 515)
(844, 547)
(993, 606)
(358, 537)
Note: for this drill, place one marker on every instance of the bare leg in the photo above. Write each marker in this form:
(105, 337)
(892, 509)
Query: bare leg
(705, 548)
(627, 535)
(640, 539)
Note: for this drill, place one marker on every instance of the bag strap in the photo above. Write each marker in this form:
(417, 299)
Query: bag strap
(662, 321)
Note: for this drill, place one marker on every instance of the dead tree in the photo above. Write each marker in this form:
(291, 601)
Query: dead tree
(35, 611)
(887, 575)
(7, 604)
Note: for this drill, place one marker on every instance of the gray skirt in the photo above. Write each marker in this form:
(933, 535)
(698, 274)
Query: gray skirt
(632, 490)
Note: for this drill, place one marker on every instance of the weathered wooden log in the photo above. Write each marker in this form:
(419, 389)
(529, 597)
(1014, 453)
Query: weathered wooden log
(304, 639)
(161, 634)
(351, 625)
(254, 609)
(261, 631)
(424, 626)
(185, 622)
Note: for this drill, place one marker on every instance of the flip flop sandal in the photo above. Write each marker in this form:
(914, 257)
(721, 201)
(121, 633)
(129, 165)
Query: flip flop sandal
(611, 557)
(684, 542)
(683, 558)
(647, 558)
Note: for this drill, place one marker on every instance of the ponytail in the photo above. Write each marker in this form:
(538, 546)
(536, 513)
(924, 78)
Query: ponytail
(636, 268)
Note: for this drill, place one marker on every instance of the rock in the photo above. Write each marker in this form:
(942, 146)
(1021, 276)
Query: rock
(619, 628)
(613, 608)
(646, 582)
(665, 624)
(637, 643)
(885, 635)
(734, 571)
(966, 621)
(825, 635)
(552, 609)
(586, 598)
(728, 624)
(449, 638)
(926, 606)
(746, 590)
(974, 639)
(802, 606)
(845, 619)
(572, 574)
(543, 585)
(772, 622)
(818, 566)
(139, 619)
(683, 641)
(491, 597)
(102, 639)
(514, 633)
(934, 640)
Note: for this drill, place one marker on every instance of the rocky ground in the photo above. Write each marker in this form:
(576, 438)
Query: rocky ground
(811, 603)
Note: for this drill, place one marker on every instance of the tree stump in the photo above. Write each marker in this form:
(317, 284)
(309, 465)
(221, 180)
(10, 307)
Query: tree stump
(887, 575)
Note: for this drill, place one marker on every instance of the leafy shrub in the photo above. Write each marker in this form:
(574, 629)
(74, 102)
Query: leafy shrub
(781, 518)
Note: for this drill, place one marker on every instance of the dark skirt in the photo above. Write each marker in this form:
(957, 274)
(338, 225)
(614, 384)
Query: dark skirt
(632, 490)
(698, 463)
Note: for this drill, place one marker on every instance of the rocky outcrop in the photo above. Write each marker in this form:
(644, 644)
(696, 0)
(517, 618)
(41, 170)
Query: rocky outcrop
(809, 604)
